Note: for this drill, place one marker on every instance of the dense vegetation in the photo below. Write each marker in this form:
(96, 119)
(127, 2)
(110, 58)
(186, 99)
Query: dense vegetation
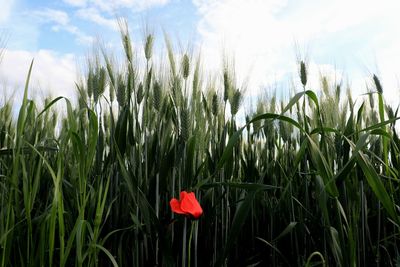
(311, 181)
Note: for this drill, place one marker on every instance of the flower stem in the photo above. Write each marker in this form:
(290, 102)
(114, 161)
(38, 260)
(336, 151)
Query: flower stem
(190, 241)
(184, 244)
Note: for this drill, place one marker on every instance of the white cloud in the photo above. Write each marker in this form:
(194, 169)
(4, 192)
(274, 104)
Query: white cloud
(136, 5)
(247, 30)
(77, 3)
(61, 21)
(92, 14)
(112, 6)
(80, 36)
(52, 15)
(104, 12)
(5, 10)
(52, 73)
(260, 35)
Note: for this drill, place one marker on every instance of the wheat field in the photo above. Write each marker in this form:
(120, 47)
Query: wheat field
(313, 181)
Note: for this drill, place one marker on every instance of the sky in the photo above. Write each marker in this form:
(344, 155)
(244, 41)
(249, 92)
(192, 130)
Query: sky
(346, 40)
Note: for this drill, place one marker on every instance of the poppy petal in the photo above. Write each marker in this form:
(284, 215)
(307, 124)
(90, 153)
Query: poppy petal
(182, 195)
(176, 206)
(191, 206)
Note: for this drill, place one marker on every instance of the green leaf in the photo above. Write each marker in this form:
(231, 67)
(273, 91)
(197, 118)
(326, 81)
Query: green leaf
(245, 186)
(288, 229)
(109, 255)
(238, 221)
(377, 186)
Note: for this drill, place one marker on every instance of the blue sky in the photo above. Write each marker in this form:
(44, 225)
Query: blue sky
(343, 39)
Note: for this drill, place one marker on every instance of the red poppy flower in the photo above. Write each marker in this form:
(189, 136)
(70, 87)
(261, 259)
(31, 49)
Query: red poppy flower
(186, 205)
